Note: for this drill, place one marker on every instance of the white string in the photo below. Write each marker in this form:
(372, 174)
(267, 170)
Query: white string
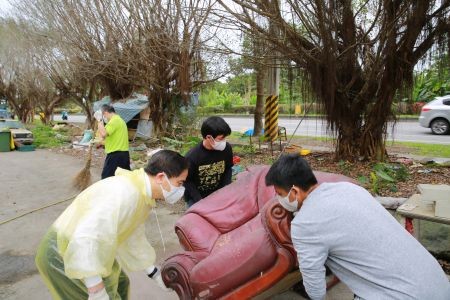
(159, 228)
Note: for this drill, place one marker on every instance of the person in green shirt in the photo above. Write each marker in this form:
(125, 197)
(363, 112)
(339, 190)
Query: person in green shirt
(115, 134)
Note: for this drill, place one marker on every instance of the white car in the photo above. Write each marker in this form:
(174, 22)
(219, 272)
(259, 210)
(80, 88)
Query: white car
(19, 132)
(436, 115)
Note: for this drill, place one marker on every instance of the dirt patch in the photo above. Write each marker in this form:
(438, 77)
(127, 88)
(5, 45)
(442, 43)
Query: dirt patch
(98, 154)
(363, 172)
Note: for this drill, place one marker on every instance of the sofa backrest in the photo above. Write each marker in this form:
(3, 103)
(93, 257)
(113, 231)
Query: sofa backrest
(233, 205)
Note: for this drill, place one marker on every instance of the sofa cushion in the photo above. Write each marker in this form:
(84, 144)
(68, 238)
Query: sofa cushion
(245, 257)
(232, 205)
(236, 234)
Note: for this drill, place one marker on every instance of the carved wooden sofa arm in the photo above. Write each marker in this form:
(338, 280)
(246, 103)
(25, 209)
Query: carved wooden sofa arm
(175, 272)
(277, 222)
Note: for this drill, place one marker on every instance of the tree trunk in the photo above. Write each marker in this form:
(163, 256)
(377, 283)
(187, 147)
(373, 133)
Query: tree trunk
(23, 111)
(248, 93)
(291, 88)
(156, 112)
(259, 109)
(90, 121)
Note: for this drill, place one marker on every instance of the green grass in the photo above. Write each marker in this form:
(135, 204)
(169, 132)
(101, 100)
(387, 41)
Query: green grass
(315, 138)
(44, 136)
(433, 150)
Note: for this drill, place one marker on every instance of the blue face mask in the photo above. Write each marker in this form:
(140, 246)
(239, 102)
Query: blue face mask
(288, 205)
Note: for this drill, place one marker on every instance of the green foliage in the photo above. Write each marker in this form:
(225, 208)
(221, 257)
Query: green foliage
(181, 146)
(45, 136)
(240, 84)
(363, 180)
(244, 149)
(433, 82)
(374, 182)
(186, 132)
(386, 175)
(345, 167)
(236, 109)
(211, 98)
(185, 123)
(135, 156)
(227, 104)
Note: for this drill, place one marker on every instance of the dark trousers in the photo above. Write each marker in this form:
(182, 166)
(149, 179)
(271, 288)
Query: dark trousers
(113, 160)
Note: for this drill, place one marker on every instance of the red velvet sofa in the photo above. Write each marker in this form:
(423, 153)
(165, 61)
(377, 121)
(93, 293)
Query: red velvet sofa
(237, 241)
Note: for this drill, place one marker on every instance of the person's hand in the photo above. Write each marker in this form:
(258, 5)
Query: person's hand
(99, 295)
(98, 115)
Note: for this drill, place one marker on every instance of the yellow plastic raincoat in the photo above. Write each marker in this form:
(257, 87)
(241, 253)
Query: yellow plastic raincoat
(100, 233)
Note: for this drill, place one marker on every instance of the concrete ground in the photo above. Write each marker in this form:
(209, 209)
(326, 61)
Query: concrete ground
(29, 180)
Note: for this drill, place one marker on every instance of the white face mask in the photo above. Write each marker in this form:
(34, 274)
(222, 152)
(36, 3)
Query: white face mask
(175, 193)
(219, 146)
(290, 206)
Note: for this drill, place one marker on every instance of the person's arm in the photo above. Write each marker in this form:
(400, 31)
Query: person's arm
(108, 129)
(226, 178)
(92, 247)
(136, 253)
(312, 254)
(102, 129)
(95, 287)
(191, 191)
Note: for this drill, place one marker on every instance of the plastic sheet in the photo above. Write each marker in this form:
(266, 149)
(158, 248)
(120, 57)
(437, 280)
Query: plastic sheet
(101, 232)
(51, 267)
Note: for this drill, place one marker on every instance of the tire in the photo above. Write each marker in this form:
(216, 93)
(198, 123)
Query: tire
(440, 126)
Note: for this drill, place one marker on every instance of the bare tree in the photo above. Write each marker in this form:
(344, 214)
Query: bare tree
(356, 55)
(146, 45)
(23, 82)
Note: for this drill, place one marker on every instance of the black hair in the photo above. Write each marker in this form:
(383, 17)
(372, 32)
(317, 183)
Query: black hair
(167, 161)
(290, 170)
(108, 108)
(215, 126)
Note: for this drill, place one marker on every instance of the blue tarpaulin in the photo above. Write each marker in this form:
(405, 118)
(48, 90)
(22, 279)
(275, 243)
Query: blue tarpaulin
(249, 132)
(128, 109)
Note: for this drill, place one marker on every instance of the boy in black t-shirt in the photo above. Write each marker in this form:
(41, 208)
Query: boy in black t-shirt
(210, 161)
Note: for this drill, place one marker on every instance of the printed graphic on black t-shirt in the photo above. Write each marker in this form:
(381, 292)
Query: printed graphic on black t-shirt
(210, 176)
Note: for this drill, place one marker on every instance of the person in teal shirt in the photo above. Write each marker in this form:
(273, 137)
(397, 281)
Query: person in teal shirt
(115, 134)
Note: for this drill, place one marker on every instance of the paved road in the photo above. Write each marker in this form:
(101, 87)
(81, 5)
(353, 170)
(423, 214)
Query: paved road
(406, 131)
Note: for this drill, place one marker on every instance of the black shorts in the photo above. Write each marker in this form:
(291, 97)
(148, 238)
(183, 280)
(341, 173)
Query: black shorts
(113, 160)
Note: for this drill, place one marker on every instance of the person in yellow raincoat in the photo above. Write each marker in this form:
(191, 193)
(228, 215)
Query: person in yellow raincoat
(102, 231)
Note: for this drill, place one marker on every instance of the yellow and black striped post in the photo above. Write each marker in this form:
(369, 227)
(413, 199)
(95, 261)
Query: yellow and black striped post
(271, 118)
